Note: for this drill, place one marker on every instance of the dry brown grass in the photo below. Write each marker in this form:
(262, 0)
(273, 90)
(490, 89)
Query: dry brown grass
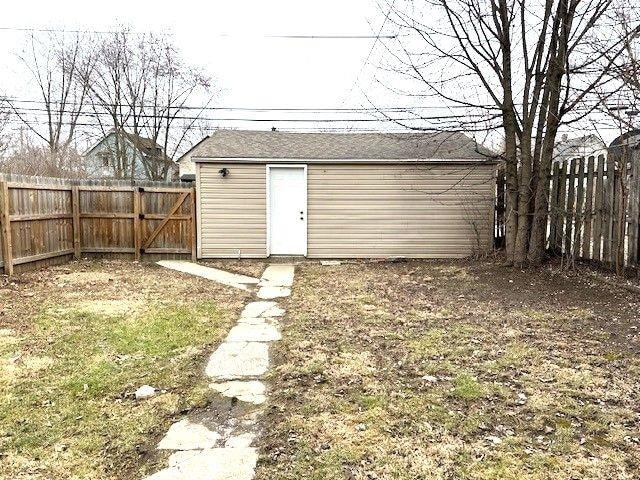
(76, 341)
(453, 370)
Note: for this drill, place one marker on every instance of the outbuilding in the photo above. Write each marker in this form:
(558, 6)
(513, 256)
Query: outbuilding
(343, 195)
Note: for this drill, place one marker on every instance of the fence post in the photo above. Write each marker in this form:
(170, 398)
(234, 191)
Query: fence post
(569, 247)
(609, 205)
(634, 209)
(561, 208)
(599, 211)
(588, 210)
(579, 217)
(194, 253)
(7, 245)
(75, 208)
(137, 224)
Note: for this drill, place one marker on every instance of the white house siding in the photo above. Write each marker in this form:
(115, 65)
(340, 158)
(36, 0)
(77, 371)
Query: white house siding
(232, 211)
(370, 210)
(423, 211)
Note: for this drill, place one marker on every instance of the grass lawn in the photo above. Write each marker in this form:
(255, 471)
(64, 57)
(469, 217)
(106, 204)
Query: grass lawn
(76, 341)
(453, 370)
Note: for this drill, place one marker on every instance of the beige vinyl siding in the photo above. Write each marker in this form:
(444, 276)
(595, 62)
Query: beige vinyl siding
(232, 211)
(421, 211)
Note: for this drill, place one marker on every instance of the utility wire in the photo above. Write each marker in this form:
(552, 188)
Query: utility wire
(43, 111)
(268, 109)
(224, 35)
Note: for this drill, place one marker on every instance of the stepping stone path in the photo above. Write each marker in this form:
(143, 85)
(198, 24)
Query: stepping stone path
(242, 282)
(216, 448)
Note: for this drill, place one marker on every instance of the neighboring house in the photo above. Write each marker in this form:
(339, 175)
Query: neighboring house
(146, 156)
(569, 148)
(186, 165)
(343, 195)
(630, 139)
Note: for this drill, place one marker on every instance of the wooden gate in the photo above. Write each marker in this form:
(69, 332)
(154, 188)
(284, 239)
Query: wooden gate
(47, 221)
(162, 215)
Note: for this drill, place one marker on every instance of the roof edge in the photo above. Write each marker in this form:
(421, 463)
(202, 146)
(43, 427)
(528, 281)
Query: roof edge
(487, 160)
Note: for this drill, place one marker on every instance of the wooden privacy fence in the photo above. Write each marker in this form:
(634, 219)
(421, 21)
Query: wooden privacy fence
(594, 209)
(52, 219)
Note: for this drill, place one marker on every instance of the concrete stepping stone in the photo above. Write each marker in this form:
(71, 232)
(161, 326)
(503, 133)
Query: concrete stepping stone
(243, 440)
(267, 293)
(210, 464)
(250, 391)
(245, 332)
(185, 435)
(242, 282)
(234, 360)
(277, 276)
(254, 320)
(257, 309)
(274, 311)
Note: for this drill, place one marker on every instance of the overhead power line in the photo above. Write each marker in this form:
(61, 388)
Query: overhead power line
(43, 111)
(275, 109)
(222, 35)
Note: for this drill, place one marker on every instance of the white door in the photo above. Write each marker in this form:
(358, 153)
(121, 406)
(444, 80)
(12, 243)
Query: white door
(287, 210)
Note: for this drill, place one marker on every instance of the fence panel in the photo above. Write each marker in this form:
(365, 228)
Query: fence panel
(54, 219)
(634, 212)
(586, 210)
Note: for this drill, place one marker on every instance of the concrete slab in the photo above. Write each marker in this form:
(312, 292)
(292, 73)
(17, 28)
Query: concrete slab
(210, 464)
(251, 391)
(242, 282)
(185, 435)
(257, 309)
(243, 440)
(254, 320)
(272, 312)
(267, 293)
(330, 263)
(277, 276)
(233, 360)
(245, 332)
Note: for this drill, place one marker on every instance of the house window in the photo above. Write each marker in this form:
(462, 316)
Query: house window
(105, 157)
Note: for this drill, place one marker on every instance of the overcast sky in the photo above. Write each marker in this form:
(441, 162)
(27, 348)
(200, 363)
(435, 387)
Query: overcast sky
(230, 41)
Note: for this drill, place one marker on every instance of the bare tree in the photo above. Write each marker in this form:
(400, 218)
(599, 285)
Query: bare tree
(141, 91)
(26, 158)
(527, 68)
(59, 65)
(5, 115)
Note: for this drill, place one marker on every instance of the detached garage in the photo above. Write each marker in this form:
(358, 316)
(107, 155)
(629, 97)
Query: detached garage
(342, 195)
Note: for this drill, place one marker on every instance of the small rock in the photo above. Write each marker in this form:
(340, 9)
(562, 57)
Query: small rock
(145, 391)
(430, 378)
(361, 427)
(493, 439)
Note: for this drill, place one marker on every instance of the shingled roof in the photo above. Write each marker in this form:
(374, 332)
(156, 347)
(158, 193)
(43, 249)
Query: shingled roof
(251, 144)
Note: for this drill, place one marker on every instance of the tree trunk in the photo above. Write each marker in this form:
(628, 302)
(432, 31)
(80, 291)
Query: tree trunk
(524, 200)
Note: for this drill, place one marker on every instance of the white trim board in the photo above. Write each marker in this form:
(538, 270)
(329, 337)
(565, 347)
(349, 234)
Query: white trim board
(294, 161)
(198, 213)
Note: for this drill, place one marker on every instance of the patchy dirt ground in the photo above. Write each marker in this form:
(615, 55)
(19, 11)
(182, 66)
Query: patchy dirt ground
(251, 268)
(76, 341)
(453, 370)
